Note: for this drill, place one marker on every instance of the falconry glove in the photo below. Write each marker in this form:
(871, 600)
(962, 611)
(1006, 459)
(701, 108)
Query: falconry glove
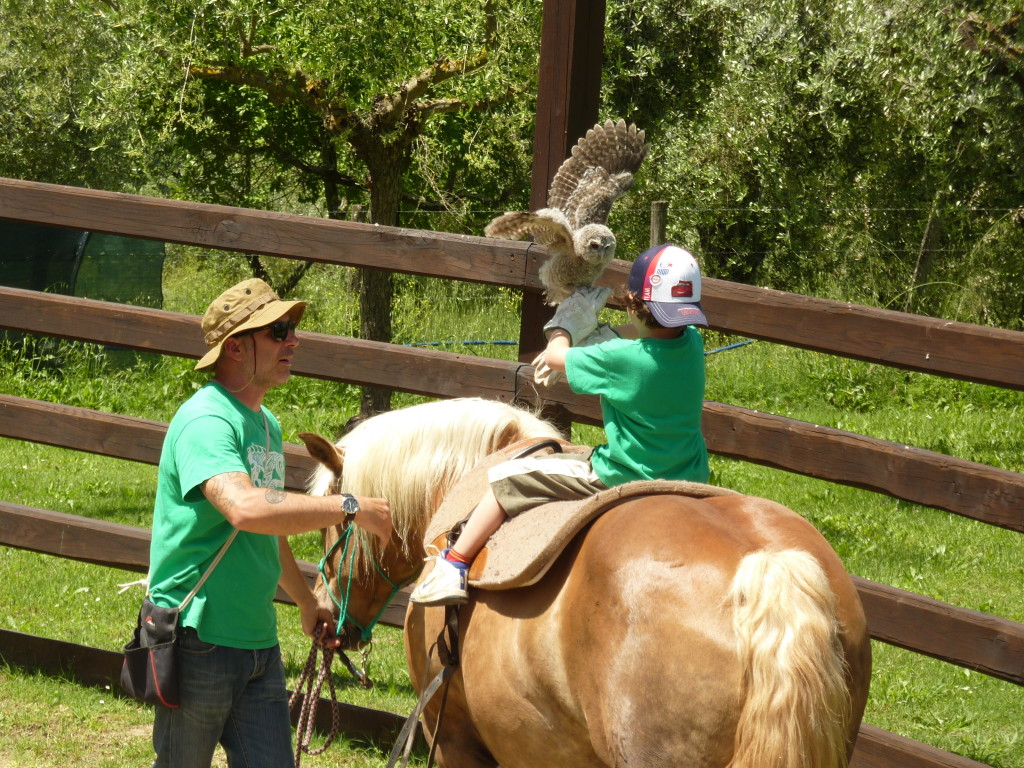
(577, 315)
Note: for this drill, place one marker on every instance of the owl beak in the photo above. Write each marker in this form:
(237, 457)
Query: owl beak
(600, 251)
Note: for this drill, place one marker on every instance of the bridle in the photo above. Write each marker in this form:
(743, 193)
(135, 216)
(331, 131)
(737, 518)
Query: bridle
(349, 547)
(312, 682)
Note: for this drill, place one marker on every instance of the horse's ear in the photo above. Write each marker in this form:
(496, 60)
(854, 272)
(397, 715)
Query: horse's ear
(323, 450)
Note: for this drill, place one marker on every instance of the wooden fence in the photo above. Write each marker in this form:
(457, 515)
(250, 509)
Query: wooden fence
(974, 640)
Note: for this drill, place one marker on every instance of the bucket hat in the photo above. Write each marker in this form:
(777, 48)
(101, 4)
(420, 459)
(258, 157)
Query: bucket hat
(243, 307)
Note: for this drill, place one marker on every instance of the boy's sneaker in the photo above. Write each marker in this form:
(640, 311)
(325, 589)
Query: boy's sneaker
(444, 585)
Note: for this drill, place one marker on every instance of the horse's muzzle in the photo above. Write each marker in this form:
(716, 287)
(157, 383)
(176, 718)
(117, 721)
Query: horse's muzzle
(351, 637)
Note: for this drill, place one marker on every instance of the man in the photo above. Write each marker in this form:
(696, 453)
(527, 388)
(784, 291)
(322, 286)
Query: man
(222, 468)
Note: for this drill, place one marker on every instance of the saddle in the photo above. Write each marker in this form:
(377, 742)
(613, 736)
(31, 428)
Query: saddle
(525, 546)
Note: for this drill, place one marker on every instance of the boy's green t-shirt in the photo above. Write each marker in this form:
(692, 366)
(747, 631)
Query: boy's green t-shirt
(213, 433)
(652, 399)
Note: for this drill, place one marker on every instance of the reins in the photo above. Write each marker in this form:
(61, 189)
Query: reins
(314, 680)
(311, 698)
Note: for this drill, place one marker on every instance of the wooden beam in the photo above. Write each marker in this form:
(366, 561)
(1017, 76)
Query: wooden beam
(987, 644)
(118, 546)
(568, 96)
(98, 667)
(474, 259)
(568, 87)
(977, 353)
(973, 353)
(875, 748)
(410, 369)
(74, 537)
(108, 434)
(880, 749)
(977, 491)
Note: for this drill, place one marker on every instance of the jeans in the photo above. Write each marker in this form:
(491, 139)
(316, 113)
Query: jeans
(230, 696)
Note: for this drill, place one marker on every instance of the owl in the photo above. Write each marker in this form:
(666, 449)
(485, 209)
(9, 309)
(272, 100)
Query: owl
(572, 228)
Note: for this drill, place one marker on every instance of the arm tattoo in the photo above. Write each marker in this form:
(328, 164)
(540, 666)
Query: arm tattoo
(220, 490)
(275, 496)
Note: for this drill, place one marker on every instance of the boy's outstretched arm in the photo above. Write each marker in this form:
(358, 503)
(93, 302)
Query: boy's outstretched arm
(558, 345)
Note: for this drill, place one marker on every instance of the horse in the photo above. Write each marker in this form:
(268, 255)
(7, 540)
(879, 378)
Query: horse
(718, 632)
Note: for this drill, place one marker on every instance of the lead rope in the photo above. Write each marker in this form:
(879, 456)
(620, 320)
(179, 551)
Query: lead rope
(311, 698)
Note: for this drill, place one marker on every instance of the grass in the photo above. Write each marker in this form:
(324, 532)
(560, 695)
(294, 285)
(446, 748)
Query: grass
(48, 721)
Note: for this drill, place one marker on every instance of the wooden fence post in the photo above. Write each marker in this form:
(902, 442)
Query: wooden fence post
(568, 95)
(659, 219)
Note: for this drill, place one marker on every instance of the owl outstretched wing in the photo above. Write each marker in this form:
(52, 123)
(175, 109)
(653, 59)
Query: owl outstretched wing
(572, 228)
(547, 227)
(600, 170)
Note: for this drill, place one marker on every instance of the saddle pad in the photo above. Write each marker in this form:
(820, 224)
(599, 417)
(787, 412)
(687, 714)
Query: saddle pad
(525, 546)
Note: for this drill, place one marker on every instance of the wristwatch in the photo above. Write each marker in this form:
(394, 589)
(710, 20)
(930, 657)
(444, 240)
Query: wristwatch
(350, 507)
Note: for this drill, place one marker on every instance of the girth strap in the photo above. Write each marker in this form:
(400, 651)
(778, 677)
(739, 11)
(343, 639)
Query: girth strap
(448, 655)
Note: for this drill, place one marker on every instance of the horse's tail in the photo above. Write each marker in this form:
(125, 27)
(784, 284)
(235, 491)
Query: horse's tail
(796, 708)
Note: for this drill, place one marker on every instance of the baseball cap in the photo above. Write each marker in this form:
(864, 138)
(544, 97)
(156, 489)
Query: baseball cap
(667, 279)
(250, 304)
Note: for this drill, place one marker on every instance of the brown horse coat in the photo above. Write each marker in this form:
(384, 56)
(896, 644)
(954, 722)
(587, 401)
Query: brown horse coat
(625, 653)
(708, 633)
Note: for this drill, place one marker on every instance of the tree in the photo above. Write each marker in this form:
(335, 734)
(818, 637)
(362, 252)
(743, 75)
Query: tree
(321, 104)
(851, 149)
(46, 85)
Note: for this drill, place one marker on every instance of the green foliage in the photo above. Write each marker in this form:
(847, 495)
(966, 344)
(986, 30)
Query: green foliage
(277, 106)
(805, 147)
(46, 87)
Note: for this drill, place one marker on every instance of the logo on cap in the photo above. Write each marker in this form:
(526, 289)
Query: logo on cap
(682, 290)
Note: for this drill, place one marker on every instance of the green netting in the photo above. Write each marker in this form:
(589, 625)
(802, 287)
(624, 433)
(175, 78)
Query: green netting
(68, 261)
(121, 269)
(39, 258)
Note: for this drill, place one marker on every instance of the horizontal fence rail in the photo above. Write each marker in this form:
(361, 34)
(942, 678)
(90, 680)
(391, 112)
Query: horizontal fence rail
(989, 494)
(99, 667)
(960, 350)
(970, 639)
(876, 748)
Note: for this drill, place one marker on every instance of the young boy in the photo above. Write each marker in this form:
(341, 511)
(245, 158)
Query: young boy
(651, 383)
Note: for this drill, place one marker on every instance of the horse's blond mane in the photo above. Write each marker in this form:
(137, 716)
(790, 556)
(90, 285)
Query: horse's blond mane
(414, 455)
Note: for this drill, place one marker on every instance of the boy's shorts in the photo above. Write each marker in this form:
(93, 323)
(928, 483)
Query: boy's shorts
(521, 484)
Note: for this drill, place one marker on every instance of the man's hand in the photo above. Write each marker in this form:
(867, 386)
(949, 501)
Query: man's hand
(320, 626)
(374, 516)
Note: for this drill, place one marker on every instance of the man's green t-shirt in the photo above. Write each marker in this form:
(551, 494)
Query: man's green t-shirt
(652, 398)
(213, 433)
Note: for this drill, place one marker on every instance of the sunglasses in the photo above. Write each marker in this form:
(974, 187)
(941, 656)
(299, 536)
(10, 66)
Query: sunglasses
(279, 329)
